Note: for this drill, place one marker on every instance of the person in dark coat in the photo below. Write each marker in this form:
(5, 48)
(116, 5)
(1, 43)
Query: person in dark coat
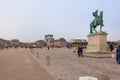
(111, 48)
(118, 55)
(80, 51)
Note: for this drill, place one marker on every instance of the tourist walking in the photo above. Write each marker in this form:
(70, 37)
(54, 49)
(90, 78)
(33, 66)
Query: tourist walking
(111, 48)
(118, 55)
(48, 47)
(80, 51)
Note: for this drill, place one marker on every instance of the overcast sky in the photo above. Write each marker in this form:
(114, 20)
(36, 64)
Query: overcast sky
(31, 20)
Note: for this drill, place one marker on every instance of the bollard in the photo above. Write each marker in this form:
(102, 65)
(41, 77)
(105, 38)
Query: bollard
(47, 60)
(87, 78)
(103, 77)
(113, 55)
(33, 52)
(37, 54)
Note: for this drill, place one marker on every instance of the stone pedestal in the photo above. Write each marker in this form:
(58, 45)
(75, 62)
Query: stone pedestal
(97, 42)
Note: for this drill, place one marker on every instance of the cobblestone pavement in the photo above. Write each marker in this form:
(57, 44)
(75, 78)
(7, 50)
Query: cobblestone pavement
(16, 64)
(66, 65)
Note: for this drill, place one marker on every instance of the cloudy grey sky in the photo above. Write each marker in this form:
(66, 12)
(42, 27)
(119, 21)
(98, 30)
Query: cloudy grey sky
(30, 20)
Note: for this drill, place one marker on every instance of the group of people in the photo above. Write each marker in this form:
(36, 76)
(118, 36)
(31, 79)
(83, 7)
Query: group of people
(80, 52)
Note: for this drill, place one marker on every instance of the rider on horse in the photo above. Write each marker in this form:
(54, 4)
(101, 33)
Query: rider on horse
(97, 21)
(95, 14)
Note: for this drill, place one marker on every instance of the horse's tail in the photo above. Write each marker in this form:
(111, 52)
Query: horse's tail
(91, 27)
(91, 30)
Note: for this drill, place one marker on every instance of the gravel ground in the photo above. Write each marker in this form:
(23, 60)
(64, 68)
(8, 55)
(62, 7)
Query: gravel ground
(66, 65)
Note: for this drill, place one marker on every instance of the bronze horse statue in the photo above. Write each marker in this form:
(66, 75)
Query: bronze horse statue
(97, 21)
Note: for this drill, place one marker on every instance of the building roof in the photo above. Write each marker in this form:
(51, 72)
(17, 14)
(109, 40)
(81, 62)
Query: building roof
(77, 40)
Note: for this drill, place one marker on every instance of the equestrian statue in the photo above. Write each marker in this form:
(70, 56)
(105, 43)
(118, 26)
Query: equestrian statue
(96, 22)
